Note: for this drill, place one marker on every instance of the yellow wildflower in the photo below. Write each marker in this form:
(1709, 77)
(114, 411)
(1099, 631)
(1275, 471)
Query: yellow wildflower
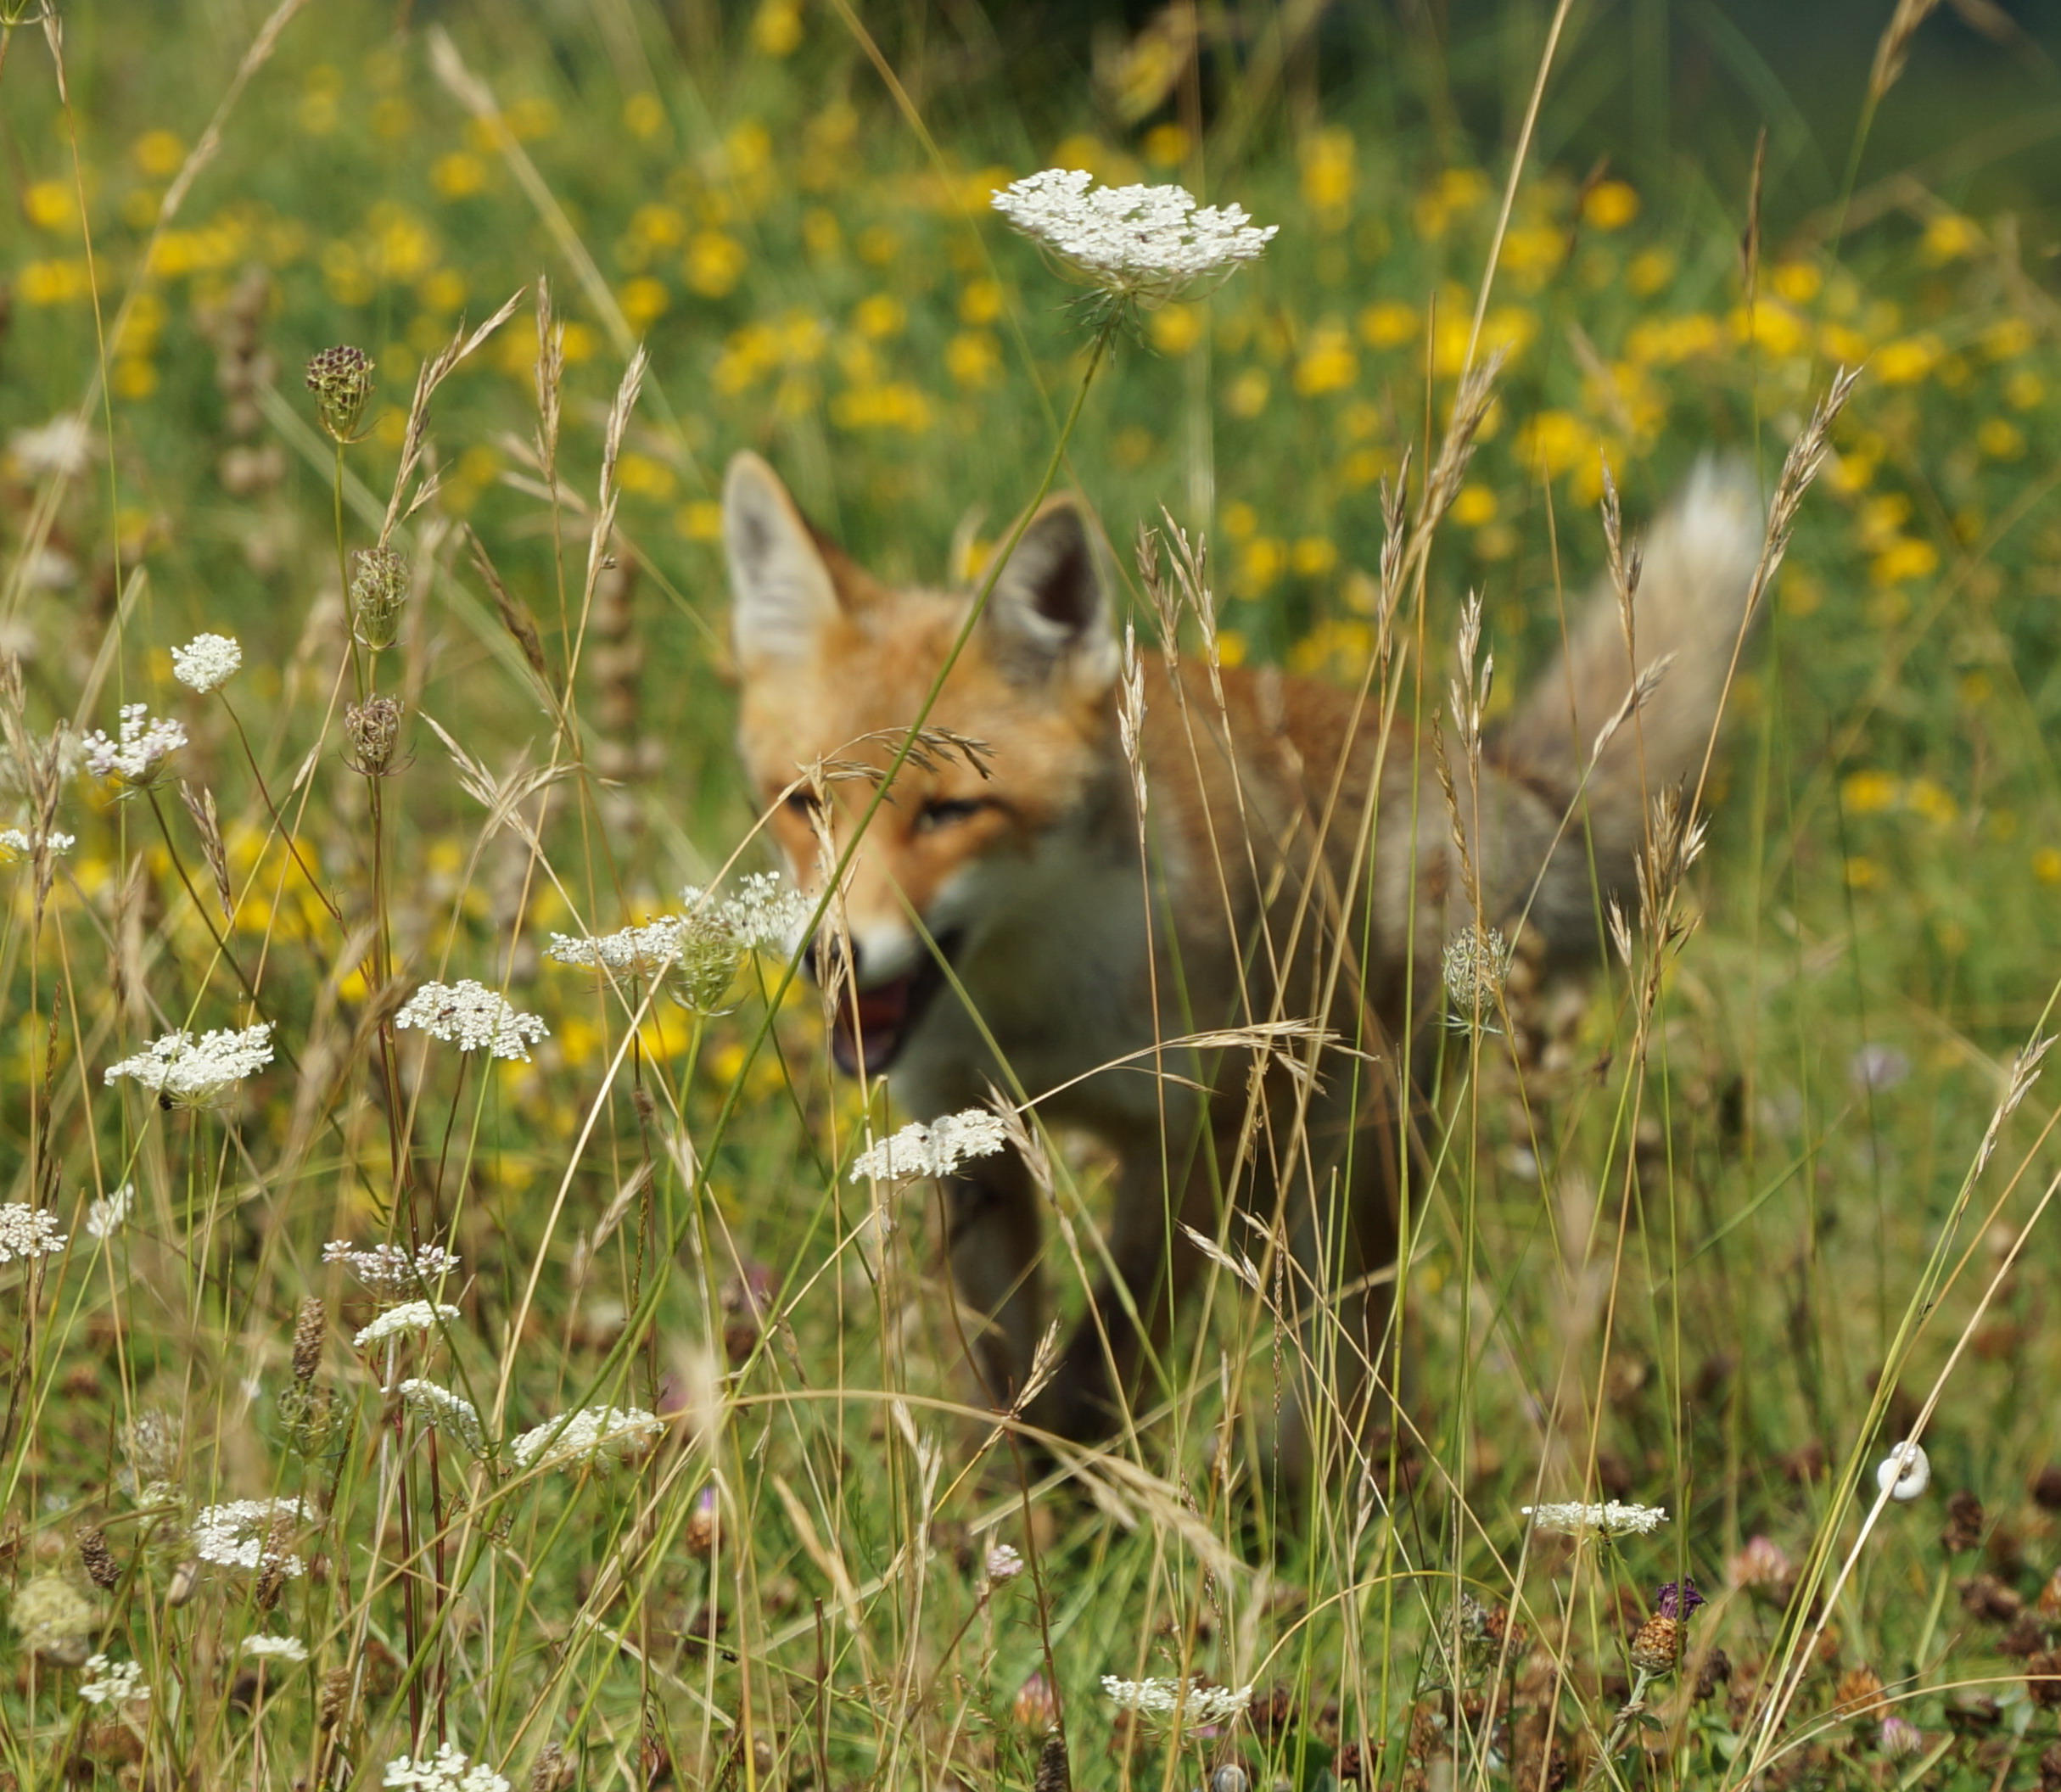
(1609, 206)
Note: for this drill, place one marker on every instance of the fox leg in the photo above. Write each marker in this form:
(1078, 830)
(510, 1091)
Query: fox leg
(993, 1237)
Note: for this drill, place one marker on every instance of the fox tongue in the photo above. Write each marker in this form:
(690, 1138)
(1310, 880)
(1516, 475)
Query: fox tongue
(881, 1013)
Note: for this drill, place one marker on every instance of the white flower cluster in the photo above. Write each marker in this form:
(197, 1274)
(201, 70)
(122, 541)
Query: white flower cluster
(765, 915)
(1613, 1518)
(651, 950)
(65, 444)
(15, 846)
(276, 1648)
(1148, 244)
(409, 1316)
(244, 1533)
(27, 1232)
(470, 1016)
(106, 1214)
(207, 662)
(592, 1431)
(113, 1683)
(935, 1150)
(182, 1071)
(141, 741)
(388, 1268)
(447, 1770)
(1196, 1702)
(442, 1410)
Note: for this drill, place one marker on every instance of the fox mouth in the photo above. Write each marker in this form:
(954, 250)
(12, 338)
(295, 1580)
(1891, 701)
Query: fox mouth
(874, 1023)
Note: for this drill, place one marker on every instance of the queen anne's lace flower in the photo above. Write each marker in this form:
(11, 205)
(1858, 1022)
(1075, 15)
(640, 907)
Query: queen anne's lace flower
(697, 954)
(207, 662)
(442, 1410)
(1613, 1518)
(113, 1683)
(183, 1072)
(108, 1214)
(470, 1016)
(764, 916)
(447, 1770)
(651, 950)
(592, 1431)
(27, 1232)
(1197, 1704)
(15, 846)
(141, 744)
(935, 1150)
(276, 1648)
(388, 1269)
(1144, 244)
(248, 1533)
(409, 1316)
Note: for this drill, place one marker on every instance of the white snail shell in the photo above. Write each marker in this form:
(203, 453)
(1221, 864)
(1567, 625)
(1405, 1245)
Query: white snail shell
(1904, 1472)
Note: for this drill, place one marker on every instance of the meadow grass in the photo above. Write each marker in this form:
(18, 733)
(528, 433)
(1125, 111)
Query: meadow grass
(659, 1468)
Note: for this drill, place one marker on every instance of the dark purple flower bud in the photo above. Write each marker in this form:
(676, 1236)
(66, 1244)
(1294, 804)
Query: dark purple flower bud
(1678, 1598)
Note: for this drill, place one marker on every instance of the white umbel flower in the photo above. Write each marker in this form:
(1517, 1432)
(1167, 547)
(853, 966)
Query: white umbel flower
(27, 1232)
(442, 1410)
(66, 444)
(1613, 1518)
(106, 1214)
(113, 1683)
(276, 1648)
(141, 744)
(470, 1016)
(591, 1432)
(409, 1316)
(388, 1269)
(1148, 244)
(447, 1771)
(207, 662)
(182, 1071)
(935, 1150)
(764, 916)
(1905, 1473)
(16, 846)
(248, 1533)
(649, 951)
(1197, 1704)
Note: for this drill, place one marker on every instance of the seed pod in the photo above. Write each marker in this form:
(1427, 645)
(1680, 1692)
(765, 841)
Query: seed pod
(341, 379)
(100, 1567)
(308, 1330)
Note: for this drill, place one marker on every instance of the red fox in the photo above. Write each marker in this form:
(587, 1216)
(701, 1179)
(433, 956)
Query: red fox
(1020, 925)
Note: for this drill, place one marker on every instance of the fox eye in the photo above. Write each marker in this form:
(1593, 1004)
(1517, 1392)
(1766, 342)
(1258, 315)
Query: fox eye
(948, 812)
(802, 801)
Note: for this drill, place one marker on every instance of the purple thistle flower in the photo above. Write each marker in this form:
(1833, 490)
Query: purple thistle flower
(1678, 1598)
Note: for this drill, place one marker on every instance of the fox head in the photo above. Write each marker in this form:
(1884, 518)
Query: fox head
(835, 667)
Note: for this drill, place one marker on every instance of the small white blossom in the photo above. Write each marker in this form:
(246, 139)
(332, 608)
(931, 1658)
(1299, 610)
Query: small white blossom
(27, 1232)
(106, 1214)
(1197, 1704)
(388, 1269)
(765, 915)
(207, 662)
(935, 1150)
(592, 1431)
(409, 1316)
(651, 950)
(113, 1683)
(1004, 1564)
(1905, 1473)
(276, 1648)
(448, 1770)
(1147, 243)
(15, 846)
(1613, 1518)
(247, 1533)
(470, 1016)
(141, 741)
(183, 1072)
(65, 444)
(442, 1410)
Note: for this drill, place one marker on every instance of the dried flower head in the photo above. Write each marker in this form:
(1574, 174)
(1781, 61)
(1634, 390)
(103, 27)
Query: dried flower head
(18, 848)
(1612, 1518)
(470, 1016)
(150, 1444)
(373, 729)
(275, 1648)
(135, 756)
(1477, 965)
(1142, 245)
(1656, 1644)
(27, 1232)
(1905, 1473)
(408, 1316)
(1182, 1701)
(341, 379)
(182, 1071)
(588, 1434)
(379, 594)
(53, 1618)
(250, 1534)
(207, 662)
(447, 1770)
(442, 1410)
(106, 1214)
(935, 1150)
(113, 1683)
(310, 1327)
(97, 1558)
(389, 1270)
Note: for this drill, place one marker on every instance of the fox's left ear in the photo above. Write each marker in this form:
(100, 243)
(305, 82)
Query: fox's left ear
(781, 591)
(1049, 612)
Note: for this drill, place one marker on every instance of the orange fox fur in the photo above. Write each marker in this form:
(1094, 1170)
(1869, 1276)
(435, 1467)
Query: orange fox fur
(1079, 953)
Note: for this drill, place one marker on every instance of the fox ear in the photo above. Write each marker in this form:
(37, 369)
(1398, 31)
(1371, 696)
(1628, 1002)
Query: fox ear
(781, 592)
(1050, 609)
